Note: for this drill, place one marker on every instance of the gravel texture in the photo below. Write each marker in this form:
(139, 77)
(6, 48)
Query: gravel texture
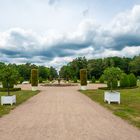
(62, 113)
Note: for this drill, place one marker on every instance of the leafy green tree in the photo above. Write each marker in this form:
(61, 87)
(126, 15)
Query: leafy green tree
(43, 72)
(112, 75)
(132, 80)
(9, 77)
(52, 73)
(124, 80)
(135, 65)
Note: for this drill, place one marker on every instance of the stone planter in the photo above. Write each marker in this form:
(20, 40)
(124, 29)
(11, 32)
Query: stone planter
(34, 88)
(83, 87)
(112, 97)
(8, 100)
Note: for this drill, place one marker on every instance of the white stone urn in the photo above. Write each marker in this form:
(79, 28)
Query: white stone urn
(8, 99)
(112, 96)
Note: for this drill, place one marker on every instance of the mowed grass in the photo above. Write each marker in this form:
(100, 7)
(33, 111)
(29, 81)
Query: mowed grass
(129, 109)
(21, 96)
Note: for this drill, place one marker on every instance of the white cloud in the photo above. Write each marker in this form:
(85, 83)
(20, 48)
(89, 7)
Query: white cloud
(121, 37)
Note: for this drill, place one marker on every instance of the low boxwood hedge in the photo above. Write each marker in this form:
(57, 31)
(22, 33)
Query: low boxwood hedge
(10, 89)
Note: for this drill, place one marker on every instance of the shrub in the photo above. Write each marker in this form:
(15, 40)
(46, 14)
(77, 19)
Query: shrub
(102, 79)
(83, 76)
(10, 89)
(40, 80)
(93, 80)
(75, 79)
(34, 77)
(124, 80)
(133, 80)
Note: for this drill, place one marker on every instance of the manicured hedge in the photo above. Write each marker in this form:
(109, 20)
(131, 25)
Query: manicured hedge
(10, 89)
(34, 77)
(83, 77)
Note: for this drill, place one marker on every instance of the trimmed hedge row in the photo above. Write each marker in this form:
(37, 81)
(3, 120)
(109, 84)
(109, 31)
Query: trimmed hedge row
(128, 80)
(10, 89)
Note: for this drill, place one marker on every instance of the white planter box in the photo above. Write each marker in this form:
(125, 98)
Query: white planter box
(8, 100)
(83, 87)
(112, 97)
(34, 88)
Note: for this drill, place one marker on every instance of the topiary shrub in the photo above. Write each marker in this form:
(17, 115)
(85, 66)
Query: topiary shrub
(124, 80)
(83, 77)
(75, 79)
(34, 77)
(102, 79)
(132, 80)
(93, 80)
(40, 80)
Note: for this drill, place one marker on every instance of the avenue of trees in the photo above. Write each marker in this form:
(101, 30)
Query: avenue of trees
(95, 70)
(23, 72)
(95, 67)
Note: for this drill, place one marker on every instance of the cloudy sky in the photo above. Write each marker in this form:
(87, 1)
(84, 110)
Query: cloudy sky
(53, 32)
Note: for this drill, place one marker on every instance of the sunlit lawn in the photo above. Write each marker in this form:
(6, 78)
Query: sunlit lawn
(129, 109)
(21, 96)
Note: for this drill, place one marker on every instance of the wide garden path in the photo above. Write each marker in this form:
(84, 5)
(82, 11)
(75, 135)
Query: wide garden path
(62, 113)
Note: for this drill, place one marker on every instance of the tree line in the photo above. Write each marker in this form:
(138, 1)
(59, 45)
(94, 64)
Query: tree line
(96, 67)
(23, 71)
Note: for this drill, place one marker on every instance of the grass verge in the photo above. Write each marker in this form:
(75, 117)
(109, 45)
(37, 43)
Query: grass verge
(129, 109)
(21, 96)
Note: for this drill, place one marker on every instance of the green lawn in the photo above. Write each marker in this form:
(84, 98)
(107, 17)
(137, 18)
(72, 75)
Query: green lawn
(21, 96)
(129, 109)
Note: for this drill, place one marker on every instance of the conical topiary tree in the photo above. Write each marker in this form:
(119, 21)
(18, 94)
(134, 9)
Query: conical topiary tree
(34, 78)
(83, 77)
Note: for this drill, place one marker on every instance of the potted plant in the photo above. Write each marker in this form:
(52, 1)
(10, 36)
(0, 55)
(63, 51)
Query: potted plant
(9, 77)
(83, 79)
(112, 75)
(34, 79)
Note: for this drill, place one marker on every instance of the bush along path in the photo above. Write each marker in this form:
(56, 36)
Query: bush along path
(60, 113)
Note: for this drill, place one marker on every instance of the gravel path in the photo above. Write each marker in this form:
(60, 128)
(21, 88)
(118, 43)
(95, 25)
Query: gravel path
(62, 113)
